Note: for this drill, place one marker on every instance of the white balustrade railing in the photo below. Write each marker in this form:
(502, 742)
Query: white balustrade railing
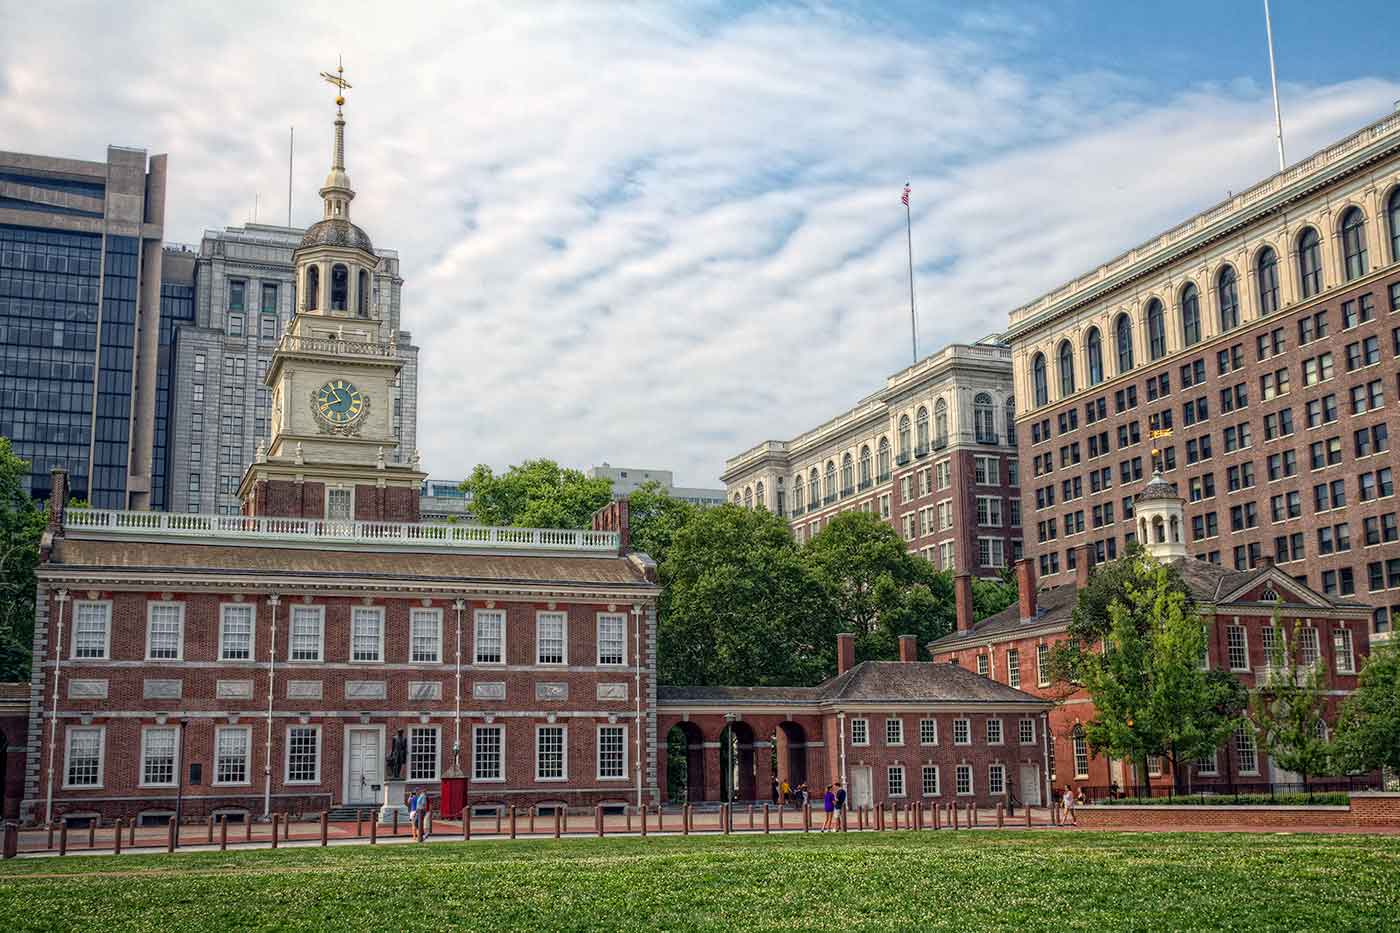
(233, 528)
(338, 347)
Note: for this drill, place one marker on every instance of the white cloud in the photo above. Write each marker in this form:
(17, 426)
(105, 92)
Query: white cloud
(648, 236)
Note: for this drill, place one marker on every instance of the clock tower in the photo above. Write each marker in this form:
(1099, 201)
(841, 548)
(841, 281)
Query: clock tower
(333, 453)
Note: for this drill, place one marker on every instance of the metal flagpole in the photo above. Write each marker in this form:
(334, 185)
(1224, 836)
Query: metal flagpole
(1273, 80)
(909, 235)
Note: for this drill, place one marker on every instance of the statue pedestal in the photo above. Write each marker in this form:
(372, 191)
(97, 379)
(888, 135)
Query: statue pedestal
(394, 793)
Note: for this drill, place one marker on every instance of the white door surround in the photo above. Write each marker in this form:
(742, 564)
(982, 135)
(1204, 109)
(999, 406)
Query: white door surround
(364, 764)
(1030, 786)
(861, 786)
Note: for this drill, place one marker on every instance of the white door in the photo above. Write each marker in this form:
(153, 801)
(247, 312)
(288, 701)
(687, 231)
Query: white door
(860, 786)
(362, 774)
(1030, 786)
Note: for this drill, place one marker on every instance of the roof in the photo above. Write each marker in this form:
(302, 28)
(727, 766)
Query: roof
(1206, 582)
(235, 560)
(1158, 488)
(336, 232)
(867, 682)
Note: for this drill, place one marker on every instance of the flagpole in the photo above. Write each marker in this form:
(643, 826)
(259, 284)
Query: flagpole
(909, 236)
(1273, 80)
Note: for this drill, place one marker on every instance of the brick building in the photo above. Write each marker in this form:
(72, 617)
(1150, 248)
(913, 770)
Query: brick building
(1013, 647)
(1258, 341)
(933, 453)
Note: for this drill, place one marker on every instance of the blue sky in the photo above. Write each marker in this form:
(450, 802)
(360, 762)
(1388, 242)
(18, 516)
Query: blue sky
(657, 234)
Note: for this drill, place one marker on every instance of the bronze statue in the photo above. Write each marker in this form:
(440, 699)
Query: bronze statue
(397, 757)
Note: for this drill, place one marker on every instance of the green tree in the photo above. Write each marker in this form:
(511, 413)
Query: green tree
(1288, 709)
(535, 494)
(655, 517)
(740, 606)
(876, 588)
(21, 525)
(1368, 728)
(1151, 696)
(992, 596)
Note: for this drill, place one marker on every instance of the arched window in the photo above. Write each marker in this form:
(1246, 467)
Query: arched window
(1040, 387)
(1266, 267)
(848, 475)
(1354, 243)
(830, 494)
(737, 498)
(1094, 345)
(1066, 369)
(1310, 262)
(1227, 293)
(1392, 211)
(1123, 335)
(1011, 419)
(814, 494)
(983, 420)
(883, 460)
(362, 304)
(797, 488)
(1156, 330)
(1190, 315)
(313, 288)
(1176, 529)
(748, 498)
(940, 423)
(903, 438)
(340, 287)
(865, 467)
(921, 431)
(758, 496)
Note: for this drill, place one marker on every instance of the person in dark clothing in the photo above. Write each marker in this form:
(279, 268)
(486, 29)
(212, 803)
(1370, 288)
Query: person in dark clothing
(840, 797)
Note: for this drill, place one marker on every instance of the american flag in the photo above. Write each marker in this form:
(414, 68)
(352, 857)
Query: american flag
(905, 199)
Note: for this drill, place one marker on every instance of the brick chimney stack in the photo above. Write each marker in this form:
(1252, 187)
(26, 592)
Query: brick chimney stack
(615, 516)
(908, 648)
(1083, 554)
(1025, 586)
(962, 593)
(845, 651)
(58, 499)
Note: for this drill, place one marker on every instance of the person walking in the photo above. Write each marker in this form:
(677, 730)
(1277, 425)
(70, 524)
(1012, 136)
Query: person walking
(840, 799)
(416, 815)
(1068, 807)
(829, 806)
(774, 793)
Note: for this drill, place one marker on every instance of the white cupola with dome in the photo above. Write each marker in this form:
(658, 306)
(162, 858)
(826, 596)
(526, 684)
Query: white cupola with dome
(1161, 515)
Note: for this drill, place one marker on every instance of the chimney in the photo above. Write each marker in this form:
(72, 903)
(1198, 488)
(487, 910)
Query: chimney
(962, 592)
(908, 648)
(1025, 586)
(615, 517)
(58, 499)
(1082, 556)
(845, 651)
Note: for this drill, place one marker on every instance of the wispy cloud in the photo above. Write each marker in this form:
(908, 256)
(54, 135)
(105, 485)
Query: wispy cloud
(649, 235)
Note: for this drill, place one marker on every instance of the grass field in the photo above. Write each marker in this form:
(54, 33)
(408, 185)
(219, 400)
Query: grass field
(968, 881)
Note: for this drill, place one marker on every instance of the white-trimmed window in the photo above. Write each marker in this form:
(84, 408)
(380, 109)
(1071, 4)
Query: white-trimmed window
(551, 764)
(304, 755)
(92, 630)
(423, 754)
(308, 633)
(1013, 668)
(1246, 752)
(984, 665)
(1342, 651)
(551, 638)
(340, 504)
(1207, 766)
(367, 634)
(488, 753)
(1154, 765)
(1237, 645)
(989, 511)
(963, 776)
(158, 756)
(996, 780)
(612, 753)
(896, 780)
(894, 731)
(1042, 665)
(1026, 733)
(425, 626)
(490, 640)
(1309, 647)
(612, 638)
(930, 780)
(82, 760)
(928, 731)
(236, 632)
(1081, 755)
(860, 732)
(994, 733)
(962, 732)
(231, 746)
(165, 630)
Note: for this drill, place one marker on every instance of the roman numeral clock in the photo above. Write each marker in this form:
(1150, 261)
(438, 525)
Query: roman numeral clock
(340, 407)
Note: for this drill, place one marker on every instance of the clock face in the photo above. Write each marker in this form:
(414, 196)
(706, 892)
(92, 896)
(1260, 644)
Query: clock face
(339, 402)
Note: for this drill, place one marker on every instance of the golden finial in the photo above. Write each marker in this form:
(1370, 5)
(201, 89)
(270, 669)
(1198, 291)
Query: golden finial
(338, 79)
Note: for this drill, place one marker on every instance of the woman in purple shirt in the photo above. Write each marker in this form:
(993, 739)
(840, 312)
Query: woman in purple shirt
(829, 805)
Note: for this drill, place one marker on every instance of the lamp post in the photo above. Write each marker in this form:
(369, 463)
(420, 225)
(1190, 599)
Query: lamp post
(180, 780)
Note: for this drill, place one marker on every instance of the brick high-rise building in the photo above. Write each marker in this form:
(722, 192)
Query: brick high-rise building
(1255, 345)
(933, 453)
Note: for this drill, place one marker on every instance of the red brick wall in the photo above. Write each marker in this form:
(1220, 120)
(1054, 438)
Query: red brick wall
(1373, 811)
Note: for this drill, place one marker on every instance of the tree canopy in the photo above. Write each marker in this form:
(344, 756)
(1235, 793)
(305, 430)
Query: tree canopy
(655, 517)
(535, 494)
(1368, 728)
(21, 524)
(1288, 708)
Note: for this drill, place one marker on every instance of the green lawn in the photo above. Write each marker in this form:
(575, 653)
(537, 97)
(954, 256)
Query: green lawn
(967, 881)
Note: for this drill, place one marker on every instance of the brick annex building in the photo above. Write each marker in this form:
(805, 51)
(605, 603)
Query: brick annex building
(264, 662)
(1238, 606)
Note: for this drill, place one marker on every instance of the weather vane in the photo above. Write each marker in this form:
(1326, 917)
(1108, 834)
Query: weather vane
(338, 79)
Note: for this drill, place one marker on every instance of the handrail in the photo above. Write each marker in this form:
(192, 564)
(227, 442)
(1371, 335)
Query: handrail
(337, 346)
(270, 528)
